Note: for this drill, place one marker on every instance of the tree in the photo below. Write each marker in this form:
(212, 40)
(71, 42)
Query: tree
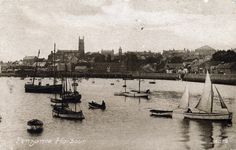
(225, 56)
(176, 59)
(99, 58)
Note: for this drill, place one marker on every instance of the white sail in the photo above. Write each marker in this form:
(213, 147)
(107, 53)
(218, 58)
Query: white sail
(184, 101)
(206, 101)
(222, 103)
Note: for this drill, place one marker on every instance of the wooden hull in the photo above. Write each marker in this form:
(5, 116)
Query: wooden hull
(120, 93)
(143, 95)
(152, 82)
(65, 113)
(163, 114)
(30, 88)
(72, 98)
(211, 116)
(34, 129)
(93, 105)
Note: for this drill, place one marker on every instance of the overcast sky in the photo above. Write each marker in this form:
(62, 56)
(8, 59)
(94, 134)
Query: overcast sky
(29, 25)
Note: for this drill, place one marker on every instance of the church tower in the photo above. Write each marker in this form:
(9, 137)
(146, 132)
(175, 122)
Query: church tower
(81, 47)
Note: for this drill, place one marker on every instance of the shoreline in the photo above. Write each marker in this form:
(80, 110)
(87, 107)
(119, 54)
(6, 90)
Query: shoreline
(228, 79)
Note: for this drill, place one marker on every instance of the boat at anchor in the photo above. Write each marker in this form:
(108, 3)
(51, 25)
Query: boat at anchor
(31, 87)
(205, 105)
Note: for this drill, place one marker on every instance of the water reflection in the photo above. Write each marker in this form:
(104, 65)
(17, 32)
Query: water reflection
(206, 134)
(213, 134)
(184, 126)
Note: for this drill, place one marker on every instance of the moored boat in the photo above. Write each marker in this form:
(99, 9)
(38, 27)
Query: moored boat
(183, 105)
(95, 105)
(136, 94)
(61, 108)
(33, 88)
(66, 113)
(161, 113)
(152, 82)
(71, 96)
(120, 93)
(205, 105)
(35, 126)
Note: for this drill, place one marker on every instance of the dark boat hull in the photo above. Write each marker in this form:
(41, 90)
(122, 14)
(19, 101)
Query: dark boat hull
(93, 105)
(63, 113)
(67, 99)
(36, 131)
(30, 88)
(161, 113)
(71, 98)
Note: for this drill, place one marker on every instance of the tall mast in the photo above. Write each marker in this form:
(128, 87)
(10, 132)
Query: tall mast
(54, 70)
(125, 85)
(36, 66)
(54, 65)
(212, 97)
(139, 83)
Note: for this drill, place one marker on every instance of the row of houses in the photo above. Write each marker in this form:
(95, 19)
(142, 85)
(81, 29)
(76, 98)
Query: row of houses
(195, 67)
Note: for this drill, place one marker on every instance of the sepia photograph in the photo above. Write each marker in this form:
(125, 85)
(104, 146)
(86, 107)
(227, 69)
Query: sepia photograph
(117, 74)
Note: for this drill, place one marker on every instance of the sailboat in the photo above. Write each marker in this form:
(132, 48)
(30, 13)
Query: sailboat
(205, 105)
(122, 93)
(135, 93)
(61, 109)
(176, 113)
(71, 96)
(183, 105)
(33, 88)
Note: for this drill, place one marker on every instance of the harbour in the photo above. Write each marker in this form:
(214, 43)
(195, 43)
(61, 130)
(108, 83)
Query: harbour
(118, 75)
(125, 124)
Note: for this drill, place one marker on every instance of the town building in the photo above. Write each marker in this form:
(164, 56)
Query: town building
(106, 67)
(226, 68)
(29, 60)
(69, 56)
(205, 51)
(109, 54)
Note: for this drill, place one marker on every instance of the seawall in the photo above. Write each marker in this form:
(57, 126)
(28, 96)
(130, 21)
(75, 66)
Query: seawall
(229, 79)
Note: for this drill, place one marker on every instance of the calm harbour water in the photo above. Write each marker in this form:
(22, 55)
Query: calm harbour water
(125, 124)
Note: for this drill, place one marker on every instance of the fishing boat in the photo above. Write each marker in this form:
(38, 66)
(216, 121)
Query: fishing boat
(61, 109)
(35, 126)
(67, 113)
(31, 87)
(205, 105)
(71, 96)
(95, 105)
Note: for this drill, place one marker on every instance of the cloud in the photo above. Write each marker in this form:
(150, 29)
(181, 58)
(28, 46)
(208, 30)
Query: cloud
(28, 25)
